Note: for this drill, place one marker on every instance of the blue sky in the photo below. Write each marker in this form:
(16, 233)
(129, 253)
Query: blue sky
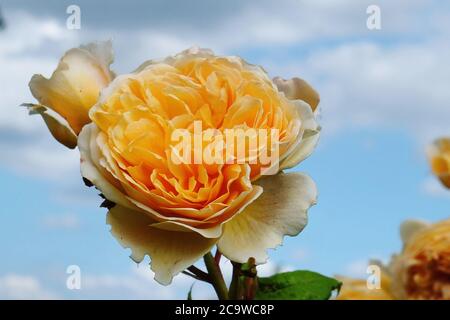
(384, 97)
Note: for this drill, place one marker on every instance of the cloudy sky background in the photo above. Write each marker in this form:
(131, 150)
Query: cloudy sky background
(385, 94)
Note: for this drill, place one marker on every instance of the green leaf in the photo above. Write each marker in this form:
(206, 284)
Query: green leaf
(296, 285)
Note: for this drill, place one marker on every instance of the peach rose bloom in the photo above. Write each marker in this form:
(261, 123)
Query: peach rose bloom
(74, 87)
(422, 269)
(439, 158)
(176, 212)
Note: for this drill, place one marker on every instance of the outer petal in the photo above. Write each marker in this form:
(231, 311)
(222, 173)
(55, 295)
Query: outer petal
(298, 89)
(439, 158)
(58, 126)
(410, 227)
(192, 51)
(75, 85)
(307, 139)
(170, 252)
(92, 171)
(422, 270)
(281, 210)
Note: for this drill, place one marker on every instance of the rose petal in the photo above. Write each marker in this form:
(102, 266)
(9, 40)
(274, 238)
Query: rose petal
(114, 191)
(215, 230)
(171, 252)
(193, 51)
(298, 89)
(439, 158)
(93, 172)
(58, 126)
(75, 85)
(307, 139)
(410, 227)
(281, 210)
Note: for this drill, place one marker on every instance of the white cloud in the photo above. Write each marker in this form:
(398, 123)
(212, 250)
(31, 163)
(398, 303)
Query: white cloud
(300, 254)
(139, 283)
(356, 269)
(26, 145)
(14, 286)
(28, 32)
(67, 221)
(363, 85)
(29, 45)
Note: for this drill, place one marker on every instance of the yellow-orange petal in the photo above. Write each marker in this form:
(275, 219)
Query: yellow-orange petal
(307, 138)
(75, 85)
(58, 127)
(422, 269)
(170, 252)
(280, 210)
(298, 89)
(439, 159)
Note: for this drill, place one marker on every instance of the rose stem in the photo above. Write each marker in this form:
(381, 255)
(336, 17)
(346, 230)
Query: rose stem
(235, 286)
(190, 274)
(199, 274)
(218, 256)
(215, 276)
(250, 288)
